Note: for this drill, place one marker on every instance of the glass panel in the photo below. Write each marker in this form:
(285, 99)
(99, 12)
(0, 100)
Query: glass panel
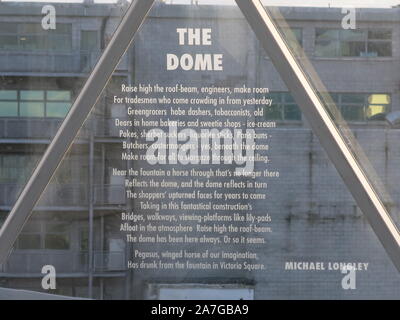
(29, 241)
(353, 49)
(30, 28)
(8, 95)
(365, 112)
(8, 42)
(42, 71)
(294, 37)
(327, 48)
(8, 27)
(32, 42)
(146, 200)
(376, 112)
(353, 98)
(334, 97)
(84, 240)
(32, 227)
(379, 49)
(353, 113)
(16, 167)
(57, 109)
(287, 97)
(353, 43)
(89, 40)
(59, 43)
(32, 95)
(57, 242)
(58, 95)
(327, 34)
(292, 112)
(57, 227)
(62, 28)
(274, 112)
(379, 98)
(380, 34)
(353, 35)
(379, 106)
(8, 109)
(31, 109)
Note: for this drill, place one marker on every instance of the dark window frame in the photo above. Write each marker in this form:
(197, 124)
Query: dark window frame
(46, 101)
(50, 38)
(285, 100)
(364, 38)
(338, 100)
(43, 232)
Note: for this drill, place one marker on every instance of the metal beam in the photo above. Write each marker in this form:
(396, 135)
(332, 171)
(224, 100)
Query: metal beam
(80, 110)
(323, 126)
(91, 214)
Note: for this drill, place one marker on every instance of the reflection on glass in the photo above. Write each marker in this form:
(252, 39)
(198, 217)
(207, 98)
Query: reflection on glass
(353, 43)
(89, 40)
(42, 71)
(8, 109)
(76, 226)
(32, 37)
(361, 107)
(31, 109)
(283, 108)
(15, 167)
(58, 95)
(25, 103)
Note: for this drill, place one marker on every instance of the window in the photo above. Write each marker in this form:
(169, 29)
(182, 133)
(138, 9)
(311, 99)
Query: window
(30, 237)
(72, 170)
(8, 103)
(57, 236)
(16, 168)
(361, 106)
(44, 235)
(35, 103)
(32, 37)
(353, 43)
(283, 107)
(353, 106)
(294, 38)
(3, 216)
(31, 103)
(90, 48)
(84, 239)
(89, 41)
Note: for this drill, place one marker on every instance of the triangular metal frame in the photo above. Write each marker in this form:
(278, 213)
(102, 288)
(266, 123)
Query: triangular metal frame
(291, 73)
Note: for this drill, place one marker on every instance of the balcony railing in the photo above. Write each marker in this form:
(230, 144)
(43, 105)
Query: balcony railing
(64, 262)
(64, 195)
(49, 62)
(33, 128)
(109, 195)
(46, 128)
(104, 261)
(105, 127)
(67, 195)
(52, 62)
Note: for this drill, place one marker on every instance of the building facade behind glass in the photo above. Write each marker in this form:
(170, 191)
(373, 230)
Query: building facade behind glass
(41, 76)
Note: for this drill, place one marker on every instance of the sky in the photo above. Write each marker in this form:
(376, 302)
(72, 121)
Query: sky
(291, 3)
